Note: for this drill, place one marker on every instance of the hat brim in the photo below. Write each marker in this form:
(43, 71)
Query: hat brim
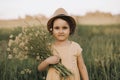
(50, 21)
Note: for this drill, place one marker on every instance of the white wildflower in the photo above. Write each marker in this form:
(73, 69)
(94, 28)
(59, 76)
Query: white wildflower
(17, 39)
(26, 48)
(10, 56)
(22, 72)
(23, 38)
(21, 44)
(37, 57)
(16, 56)
(30, 34)
(20, 56)
(8, 49)
(44, 77)
(10, 42)
(29, 71)
(26, 57)
(26, 40)
(11, 36)
(15, 50)
(36, 34)
(20, 35)
(31, 47)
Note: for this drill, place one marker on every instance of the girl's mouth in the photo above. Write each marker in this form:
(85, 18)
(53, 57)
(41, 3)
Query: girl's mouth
(60, 35)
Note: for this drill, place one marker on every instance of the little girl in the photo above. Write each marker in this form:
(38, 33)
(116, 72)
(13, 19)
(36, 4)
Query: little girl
(68, 52)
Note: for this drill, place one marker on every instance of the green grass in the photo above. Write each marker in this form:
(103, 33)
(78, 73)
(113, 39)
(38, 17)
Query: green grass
(101, 52)
(6, 32)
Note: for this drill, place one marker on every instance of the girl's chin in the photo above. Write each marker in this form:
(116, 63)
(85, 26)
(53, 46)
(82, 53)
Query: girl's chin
(61, 39)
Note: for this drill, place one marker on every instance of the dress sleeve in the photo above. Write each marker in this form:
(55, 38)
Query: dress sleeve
(79, 50)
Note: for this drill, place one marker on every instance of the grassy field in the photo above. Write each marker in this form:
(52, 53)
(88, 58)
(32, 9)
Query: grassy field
(101, 52)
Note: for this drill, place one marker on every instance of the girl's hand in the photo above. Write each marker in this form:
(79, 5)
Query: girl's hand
(53, 59)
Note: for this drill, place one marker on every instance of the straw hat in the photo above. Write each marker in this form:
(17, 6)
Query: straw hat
(60, 13)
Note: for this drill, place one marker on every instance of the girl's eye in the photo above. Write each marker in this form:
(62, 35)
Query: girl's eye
(65, 27)
(56, 27)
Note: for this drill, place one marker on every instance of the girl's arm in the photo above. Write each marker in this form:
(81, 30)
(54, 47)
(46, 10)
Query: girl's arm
(43, 65)
(50, 60)
(82, 68)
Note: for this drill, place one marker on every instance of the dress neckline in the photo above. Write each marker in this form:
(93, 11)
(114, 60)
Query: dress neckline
(62, 46)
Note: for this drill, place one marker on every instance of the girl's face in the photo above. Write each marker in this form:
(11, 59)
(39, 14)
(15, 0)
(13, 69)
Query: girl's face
(61, 30)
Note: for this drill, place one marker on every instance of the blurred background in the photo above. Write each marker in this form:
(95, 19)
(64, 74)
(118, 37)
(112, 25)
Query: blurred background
(15, 13)
(98, 33)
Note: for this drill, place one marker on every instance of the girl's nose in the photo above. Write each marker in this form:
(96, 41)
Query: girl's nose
(61, 30)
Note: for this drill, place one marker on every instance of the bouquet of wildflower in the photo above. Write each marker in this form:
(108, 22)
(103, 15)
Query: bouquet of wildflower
(33, 43)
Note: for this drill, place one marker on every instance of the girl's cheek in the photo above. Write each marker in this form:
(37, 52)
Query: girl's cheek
(55, 31)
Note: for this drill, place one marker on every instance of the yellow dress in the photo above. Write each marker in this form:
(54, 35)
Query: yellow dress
(68, 55)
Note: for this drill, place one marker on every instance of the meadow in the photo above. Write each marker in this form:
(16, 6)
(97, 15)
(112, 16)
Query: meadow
(101, 52)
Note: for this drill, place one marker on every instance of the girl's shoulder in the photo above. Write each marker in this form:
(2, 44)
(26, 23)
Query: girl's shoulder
(75, 44)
